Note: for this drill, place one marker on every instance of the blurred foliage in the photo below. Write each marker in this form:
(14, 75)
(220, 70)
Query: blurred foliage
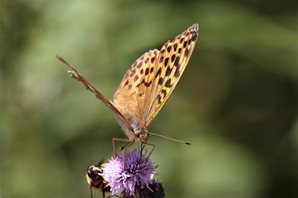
(237, 101)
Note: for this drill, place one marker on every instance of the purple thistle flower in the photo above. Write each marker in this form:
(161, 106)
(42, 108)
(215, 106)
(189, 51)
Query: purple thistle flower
(127, 172)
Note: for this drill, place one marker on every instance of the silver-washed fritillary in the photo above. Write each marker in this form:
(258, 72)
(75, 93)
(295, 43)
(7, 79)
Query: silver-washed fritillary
(147, 84)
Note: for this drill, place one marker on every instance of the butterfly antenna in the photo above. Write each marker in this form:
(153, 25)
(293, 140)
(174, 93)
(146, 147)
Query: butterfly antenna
(172, 139)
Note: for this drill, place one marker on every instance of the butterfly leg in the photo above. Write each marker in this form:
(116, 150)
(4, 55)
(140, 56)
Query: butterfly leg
(91, 193)
(127, 145)
(123, 148)
(148, 144)
(142, 147)
(120, 140)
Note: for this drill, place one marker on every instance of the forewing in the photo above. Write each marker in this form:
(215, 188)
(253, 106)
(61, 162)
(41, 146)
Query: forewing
(76, 75)
(130, 96)
(171, 63)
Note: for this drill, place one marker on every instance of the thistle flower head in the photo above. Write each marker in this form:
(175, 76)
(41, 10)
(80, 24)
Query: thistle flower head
(127, 172)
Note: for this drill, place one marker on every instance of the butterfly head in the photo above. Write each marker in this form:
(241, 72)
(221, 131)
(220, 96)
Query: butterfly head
(143, 136)
(141, 133)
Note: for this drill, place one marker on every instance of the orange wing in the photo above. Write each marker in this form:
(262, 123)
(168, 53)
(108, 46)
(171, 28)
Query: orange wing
(172, 61)
(76, 75)
(130, 96)
(152, 78)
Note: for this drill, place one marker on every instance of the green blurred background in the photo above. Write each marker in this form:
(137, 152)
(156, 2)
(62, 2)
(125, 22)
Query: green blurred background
(237, 100)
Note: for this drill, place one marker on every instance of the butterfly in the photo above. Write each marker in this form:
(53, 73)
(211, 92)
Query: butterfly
(146, 86)
(95, 179)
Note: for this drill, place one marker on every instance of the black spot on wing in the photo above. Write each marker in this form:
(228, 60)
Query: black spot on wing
(160, 81)
(132, 72)
(126, 83)
(139, 65)
(175, 46)
(152, 59)
(147, 71)
(164, 92)
(169, 48)
(189, 41)
(181, 40)
(194, 36)
(136, 78)
(168, 83)
(147, 84)
(173, 57)
(177, 72)
(169, 71)
(151, 70)
(166, 61)
(159, 99)
(186, 52)
(158, 72)
(161, 59)
(176, 63)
